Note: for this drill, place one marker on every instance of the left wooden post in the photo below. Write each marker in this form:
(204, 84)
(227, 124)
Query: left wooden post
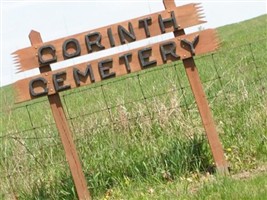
(64, 132)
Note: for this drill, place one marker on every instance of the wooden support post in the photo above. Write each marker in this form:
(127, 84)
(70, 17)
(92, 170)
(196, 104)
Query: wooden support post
(206, 117)
(202, 104)
(64, 132)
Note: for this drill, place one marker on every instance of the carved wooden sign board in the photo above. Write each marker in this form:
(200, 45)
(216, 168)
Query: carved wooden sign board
(181, 47)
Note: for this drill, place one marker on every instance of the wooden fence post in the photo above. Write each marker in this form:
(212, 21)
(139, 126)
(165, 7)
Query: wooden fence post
(202, 104)
(64, 132)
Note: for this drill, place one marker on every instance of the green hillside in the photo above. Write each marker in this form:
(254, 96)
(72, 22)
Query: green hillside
(244, 32)
(141, 137)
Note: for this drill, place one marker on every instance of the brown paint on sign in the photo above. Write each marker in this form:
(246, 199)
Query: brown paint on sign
(115, 65)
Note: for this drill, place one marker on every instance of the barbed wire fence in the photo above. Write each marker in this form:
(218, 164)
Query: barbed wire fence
(159, 95)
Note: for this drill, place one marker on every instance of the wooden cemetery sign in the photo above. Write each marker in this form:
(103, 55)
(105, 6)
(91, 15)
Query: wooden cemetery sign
(181, 47)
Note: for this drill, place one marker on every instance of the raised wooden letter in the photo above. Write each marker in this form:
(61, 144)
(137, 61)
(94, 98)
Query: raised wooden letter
(104, 70)
(96, 41)
(164, 22)
(58, 82)
(168, 48)
(71, 44)
(47, 55)
(126, 58)
(129, 34)
(144, 55)
(41, 82)
(88, 72)
(144, 23)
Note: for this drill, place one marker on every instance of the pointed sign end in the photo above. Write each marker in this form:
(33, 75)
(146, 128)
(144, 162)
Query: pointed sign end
(35, 37)
(33, 32)
(169, 4)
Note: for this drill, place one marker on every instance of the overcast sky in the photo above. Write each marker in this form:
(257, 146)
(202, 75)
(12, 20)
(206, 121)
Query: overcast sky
(56, 19)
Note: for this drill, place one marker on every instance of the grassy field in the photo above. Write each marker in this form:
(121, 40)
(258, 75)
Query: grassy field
(195, 187)
(141, 137)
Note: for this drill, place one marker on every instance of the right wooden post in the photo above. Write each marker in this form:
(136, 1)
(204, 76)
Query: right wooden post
(202, 104)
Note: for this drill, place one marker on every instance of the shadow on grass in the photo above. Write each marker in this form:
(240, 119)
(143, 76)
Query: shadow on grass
(60, 189)
(188, 156)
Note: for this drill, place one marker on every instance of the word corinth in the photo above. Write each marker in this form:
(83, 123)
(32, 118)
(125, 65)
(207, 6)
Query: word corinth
(93, 41)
